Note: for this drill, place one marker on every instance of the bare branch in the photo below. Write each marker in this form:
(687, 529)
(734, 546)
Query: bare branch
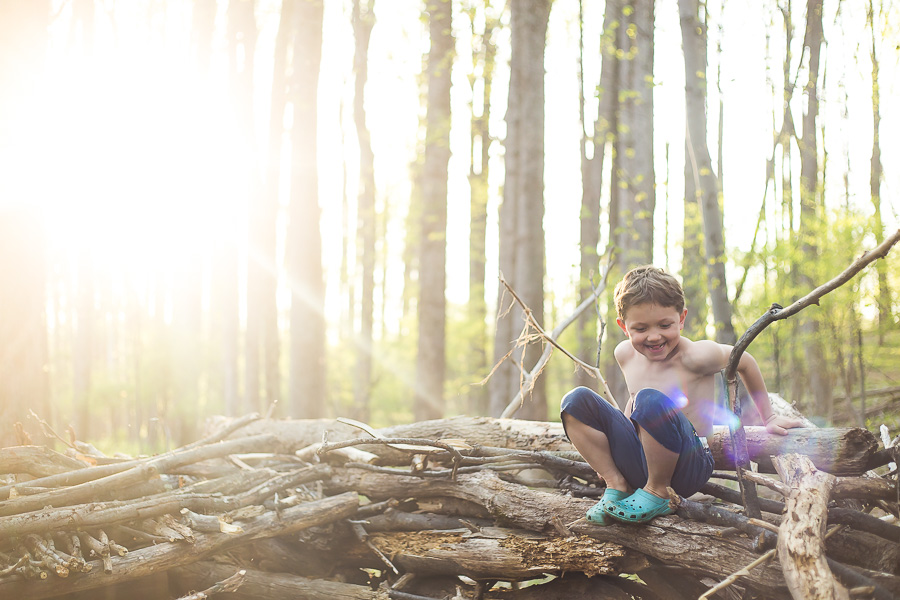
(528, 378)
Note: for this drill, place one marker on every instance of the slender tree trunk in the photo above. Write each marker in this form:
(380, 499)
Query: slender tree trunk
(257, 230)
(811, 213)
(592, 186)
(479, 162)
(633, 193)
(242, 35)
(522, 233)
(430, 367)
(883, 297)
(693, 262)
(82, 359)
(265, 264)
(705, 185)
(363, 20)
(304, 260)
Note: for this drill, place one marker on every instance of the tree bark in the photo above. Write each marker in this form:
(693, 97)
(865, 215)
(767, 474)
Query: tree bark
(522, 211)
(597, 140)
(304, 260)
(700, 172)
(883, 297)
(428, 402)
(848, 451)
(688, 544)
(811, 215)
(153, 559)
(272, 586)
(801, 536)
(262, 380)
(363, 20)
(479, 171)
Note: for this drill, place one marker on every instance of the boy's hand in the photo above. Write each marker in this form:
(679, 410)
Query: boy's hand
(779, 424)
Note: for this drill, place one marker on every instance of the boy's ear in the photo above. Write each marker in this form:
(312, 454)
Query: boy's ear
(681, 320)
(621, 324)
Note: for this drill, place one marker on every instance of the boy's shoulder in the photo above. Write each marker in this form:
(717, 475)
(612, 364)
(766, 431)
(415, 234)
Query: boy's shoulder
(706, 356)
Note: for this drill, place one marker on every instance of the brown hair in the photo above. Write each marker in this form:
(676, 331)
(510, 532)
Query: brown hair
(648, 284)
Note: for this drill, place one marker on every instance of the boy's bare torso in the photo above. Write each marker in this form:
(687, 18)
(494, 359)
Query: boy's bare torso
(688, 372)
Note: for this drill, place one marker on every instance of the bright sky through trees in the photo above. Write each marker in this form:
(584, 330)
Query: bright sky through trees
(134, 154)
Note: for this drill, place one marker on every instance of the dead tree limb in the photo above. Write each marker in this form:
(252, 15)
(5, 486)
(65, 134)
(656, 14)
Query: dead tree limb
(153, 559)
(230, 584)
(272, 586)
(84, 483)
(551, 338)
(801, 543)
(776, 313)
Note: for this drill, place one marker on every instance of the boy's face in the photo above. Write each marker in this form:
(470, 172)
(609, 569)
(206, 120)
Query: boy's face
(654, 330)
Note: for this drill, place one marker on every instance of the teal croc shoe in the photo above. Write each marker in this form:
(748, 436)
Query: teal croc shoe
(596, 513)
(640, 507)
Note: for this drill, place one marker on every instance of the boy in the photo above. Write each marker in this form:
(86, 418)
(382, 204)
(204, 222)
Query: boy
(660, 439)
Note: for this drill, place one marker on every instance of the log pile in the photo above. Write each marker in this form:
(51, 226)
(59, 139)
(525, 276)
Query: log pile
(462, 508)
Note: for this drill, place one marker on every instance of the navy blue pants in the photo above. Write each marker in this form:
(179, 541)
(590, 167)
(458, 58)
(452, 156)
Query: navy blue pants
(660, 417)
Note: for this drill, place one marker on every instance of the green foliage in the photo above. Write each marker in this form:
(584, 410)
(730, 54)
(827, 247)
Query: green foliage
(839, 239)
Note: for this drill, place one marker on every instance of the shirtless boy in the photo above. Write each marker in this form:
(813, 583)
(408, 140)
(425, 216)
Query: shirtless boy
(660, 439)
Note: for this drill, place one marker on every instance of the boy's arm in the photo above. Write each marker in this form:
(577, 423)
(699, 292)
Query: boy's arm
(756, 387)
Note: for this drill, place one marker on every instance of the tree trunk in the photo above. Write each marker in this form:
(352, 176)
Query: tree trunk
(304, 260)
(811, 215)
(479, 168)
(592, 189)
(522, 214)
(363, 19)
(633, 185)
(430, 367)
(883, 297)
(262, 344)
(242, 34)
(699, 175)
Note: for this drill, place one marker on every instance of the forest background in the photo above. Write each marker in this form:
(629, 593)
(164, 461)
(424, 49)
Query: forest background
(216, 207)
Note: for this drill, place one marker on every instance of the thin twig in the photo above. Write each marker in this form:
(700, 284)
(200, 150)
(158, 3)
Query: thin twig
(528, 378)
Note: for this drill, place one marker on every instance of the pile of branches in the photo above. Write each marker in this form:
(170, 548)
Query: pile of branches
(462, 508)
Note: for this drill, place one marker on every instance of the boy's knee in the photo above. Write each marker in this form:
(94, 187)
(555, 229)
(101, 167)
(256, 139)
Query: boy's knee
(653, 400)
(580, 397)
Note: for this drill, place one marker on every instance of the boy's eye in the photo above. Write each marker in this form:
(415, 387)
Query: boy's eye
(665, 325)
(638, 329)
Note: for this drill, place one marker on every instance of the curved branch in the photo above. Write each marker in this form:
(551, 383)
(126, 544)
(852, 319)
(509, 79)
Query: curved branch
(777, 313)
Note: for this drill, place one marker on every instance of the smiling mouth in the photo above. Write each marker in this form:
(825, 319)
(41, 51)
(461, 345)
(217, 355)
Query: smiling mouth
(655, 348)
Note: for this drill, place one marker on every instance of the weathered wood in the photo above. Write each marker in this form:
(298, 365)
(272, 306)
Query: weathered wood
(37, 461)
(106, 513)
(119, 477)
(846, 451)
(693, 546)
(801, 536)
(153, 559)
(271, 586)
(837, 451)
(502, 553)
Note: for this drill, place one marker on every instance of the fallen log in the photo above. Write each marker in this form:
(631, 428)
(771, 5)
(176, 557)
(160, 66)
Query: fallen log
(845, 451)
(271, 586)
(158, 558)
(36, 461)
(518, 522)
(503, 553)
(801, 536)
(693, 546)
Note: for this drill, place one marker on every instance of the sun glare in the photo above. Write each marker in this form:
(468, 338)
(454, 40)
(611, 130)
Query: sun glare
(143, 167)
